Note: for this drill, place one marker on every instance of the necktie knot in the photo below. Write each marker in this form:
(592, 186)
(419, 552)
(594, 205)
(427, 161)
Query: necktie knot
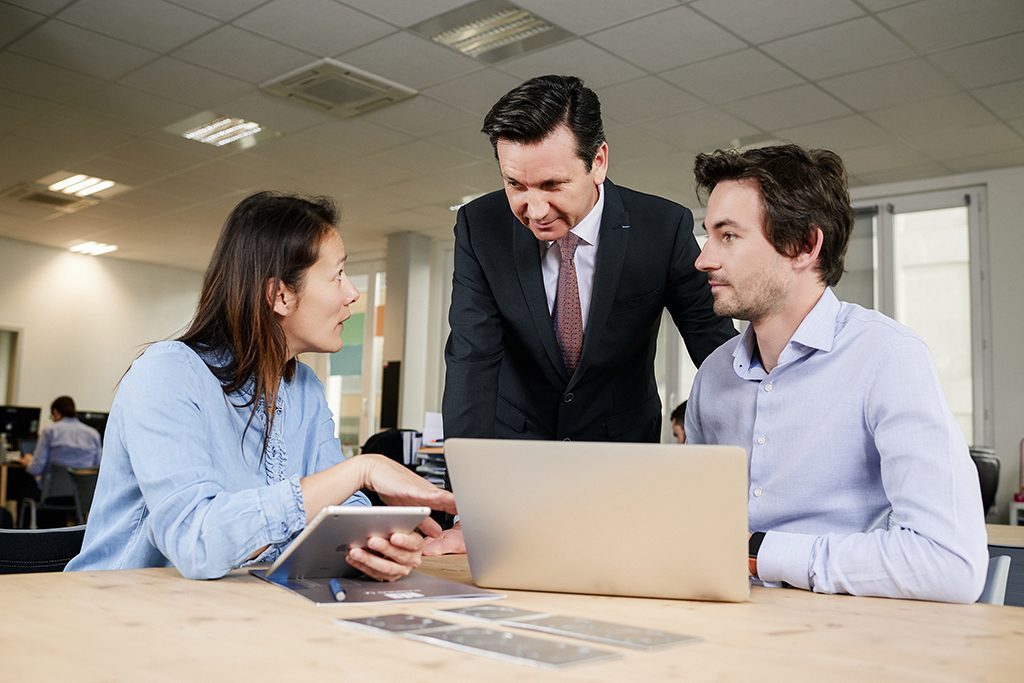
(567, 245)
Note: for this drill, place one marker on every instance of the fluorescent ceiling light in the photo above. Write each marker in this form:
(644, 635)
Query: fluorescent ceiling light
(93, 248)
(81, 185)
(491, 30)
(222, 130)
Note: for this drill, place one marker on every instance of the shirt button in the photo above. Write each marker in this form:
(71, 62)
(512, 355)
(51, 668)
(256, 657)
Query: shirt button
(757, 492)
(768, 386)
(566, 439)
(761, 440)
(568, 397)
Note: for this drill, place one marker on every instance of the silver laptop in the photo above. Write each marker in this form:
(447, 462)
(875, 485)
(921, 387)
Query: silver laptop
(644, 520)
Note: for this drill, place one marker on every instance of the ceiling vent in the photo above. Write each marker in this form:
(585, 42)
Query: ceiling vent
(491, 31)
(341, 89)
(40, 196)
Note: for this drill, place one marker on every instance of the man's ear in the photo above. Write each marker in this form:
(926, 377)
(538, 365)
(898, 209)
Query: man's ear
(808, 258)
(280, 298)
(599, 167)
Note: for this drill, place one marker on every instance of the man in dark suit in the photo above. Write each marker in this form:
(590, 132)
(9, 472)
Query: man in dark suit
(560, 282)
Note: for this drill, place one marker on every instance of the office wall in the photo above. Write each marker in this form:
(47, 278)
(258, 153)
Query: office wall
(82, 319)
(1004, 217)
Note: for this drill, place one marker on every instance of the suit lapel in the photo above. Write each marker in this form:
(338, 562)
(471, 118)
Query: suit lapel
(526, 254)
(611, 253)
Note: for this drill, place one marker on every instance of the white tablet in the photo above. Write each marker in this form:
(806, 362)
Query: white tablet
(319, 551)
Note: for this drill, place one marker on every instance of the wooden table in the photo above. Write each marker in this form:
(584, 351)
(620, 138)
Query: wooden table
(152, 624)
(1005, 534)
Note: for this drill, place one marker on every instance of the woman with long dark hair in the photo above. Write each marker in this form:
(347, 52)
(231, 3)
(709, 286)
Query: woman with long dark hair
(220, 446)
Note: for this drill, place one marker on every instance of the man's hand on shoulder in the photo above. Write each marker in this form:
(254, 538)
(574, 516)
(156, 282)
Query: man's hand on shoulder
(450, 543)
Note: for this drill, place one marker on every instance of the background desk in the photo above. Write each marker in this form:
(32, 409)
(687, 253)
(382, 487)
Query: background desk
(154, 625)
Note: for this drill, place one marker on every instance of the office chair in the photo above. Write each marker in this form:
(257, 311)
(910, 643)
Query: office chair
(57, 493)
(994, 592)
(987, 463)
(85, 488)
(39, 550)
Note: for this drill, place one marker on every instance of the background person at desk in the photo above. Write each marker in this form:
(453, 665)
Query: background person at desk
(839, 407)
(66, 443)
(560, 283)
(220, 446)
(678, 419)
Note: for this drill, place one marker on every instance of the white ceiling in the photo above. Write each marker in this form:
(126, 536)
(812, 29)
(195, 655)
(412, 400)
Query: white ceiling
(902, 89)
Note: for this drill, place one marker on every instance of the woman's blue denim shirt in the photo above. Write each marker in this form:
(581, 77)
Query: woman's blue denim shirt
(182, 481)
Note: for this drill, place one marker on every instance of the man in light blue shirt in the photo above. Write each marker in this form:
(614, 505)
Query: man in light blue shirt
(66, 443)
(839, 407)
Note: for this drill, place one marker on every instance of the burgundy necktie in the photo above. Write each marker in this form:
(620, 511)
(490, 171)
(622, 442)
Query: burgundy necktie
(568, 318)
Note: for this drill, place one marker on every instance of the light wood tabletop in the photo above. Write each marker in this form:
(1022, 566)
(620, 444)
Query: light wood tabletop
(1005, 534)
(151, 624)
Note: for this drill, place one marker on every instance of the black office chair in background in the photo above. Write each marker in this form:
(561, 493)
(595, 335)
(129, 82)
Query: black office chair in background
(39, 550)
(988, 474)
(58, 499)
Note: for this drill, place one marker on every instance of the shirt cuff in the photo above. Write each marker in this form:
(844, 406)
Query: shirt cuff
(284, 512)
(786, 557)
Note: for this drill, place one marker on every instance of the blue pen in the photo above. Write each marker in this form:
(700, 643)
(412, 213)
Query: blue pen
(337, 591)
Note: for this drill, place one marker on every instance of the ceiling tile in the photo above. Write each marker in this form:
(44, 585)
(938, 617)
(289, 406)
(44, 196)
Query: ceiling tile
(74, 48)
(43, 6)
(482, 176)
(172, 156)
(983, 162)
(187, 83)
(294, 154)
(468, 139)
(43, 81)
(243, 55)
(322, 27)
(120, 172)
(137, 106)
(77, 134)
(12, 118)
(1017, 125)
(985, 63)
(933, 25)
(732, 76)
(667, 39)
(348, 177)
(584, 16)
(674, 170)
(595, 66)
(410, 60)
(429, 190)
(475, 93)
(700, 130)
(876, 158)
(26, 103)
(422, 117)
(968, 141)
(1005, 99)
(766, 20)
(879, 5)
(788, 107)
(152, 24)
(355, 135)
(404, 13)
(928, 116)
(839, 49)
(15, 21)
(632, 143)
(914, 172)
(847, 132)
(221, 9)
(645, 98)
(423, 157)
(887, 86)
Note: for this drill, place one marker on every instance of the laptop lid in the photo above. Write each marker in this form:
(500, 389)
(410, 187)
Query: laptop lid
(644, 520)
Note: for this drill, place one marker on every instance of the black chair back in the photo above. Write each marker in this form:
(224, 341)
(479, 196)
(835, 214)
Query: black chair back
(85, 488)
(988, 474)
(39, 550)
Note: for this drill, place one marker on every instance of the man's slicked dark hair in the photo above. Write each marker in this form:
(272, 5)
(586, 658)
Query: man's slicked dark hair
(801, 189)
(532, 111)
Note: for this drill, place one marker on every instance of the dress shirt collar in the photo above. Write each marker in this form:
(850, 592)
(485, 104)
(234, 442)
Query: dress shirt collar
(816, 332)
(589, 229)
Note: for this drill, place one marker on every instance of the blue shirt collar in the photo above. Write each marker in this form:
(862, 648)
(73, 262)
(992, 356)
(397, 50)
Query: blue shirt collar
(817, 332)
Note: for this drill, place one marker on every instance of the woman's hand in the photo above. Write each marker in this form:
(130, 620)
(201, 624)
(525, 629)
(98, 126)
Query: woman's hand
(387, 559)
(396, 485)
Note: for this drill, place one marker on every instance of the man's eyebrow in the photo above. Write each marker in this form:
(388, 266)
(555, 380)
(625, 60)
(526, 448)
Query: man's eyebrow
(724, 223)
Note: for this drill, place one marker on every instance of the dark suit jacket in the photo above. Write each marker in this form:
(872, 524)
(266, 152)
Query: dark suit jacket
(505, 377)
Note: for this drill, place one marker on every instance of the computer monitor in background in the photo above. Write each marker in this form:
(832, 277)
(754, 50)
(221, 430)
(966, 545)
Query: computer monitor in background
(97, 421)
(19, 422)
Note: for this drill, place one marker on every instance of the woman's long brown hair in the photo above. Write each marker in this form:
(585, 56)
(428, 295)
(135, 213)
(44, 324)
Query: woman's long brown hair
(268, 242)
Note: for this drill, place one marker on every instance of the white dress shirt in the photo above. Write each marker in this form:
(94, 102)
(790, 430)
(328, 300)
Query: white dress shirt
(585, 258)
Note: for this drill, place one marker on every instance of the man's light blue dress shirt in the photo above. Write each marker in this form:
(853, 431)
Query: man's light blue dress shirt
(852, 422)
(68, 443)
(183, 482)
